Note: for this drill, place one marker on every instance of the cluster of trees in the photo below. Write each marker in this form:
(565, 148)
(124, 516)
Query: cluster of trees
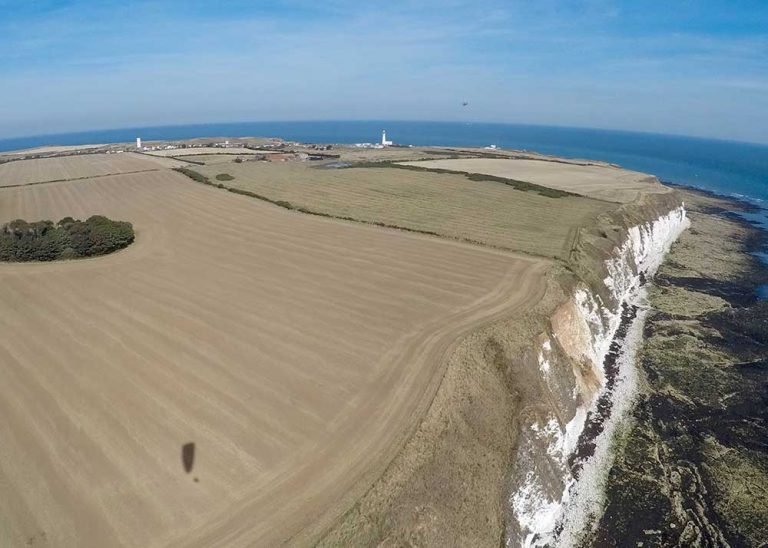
(68, 239)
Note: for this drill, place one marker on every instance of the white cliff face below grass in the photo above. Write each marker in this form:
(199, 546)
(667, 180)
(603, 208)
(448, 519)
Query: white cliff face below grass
(546, 515)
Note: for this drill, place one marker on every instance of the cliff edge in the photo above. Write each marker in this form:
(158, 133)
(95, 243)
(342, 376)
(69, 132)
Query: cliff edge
(513, 447)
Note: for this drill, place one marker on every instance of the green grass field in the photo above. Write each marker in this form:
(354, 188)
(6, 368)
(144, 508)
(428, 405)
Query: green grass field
(484, 211)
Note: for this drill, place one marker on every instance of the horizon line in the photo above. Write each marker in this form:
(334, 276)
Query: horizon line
(391, 121)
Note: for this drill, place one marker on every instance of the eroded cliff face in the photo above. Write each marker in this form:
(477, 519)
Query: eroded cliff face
(513, 448)
(586, 360)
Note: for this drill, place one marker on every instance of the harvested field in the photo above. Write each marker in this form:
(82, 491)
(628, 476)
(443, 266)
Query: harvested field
(24, 172)
(450, 205)
(50, 149)
(296, 353)
(596, 181)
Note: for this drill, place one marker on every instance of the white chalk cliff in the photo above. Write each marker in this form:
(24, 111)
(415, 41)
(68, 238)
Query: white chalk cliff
(564, 449)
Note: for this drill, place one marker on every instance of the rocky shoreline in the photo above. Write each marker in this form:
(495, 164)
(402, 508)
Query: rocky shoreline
(691, 466)
(509, 454)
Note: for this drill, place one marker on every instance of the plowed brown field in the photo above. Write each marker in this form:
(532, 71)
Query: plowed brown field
(297, 353)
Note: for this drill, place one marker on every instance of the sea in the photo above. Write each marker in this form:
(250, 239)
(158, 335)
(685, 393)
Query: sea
(728, 168)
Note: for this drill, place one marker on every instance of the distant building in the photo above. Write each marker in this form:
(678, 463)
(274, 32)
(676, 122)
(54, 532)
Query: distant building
(138, 143)
(384, 141)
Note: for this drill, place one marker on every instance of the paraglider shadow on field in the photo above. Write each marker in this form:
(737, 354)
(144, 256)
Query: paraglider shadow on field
(188, 456)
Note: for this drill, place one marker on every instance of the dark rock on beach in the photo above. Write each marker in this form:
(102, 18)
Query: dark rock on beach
(691, 467)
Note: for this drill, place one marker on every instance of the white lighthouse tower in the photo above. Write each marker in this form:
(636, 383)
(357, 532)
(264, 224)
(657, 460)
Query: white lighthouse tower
(384, 141)
(138, 143)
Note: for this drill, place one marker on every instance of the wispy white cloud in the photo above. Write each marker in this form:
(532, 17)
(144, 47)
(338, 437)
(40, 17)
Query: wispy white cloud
(605, 63)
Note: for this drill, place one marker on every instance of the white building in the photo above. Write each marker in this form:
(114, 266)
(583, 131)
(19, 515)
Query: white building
(138, 143)
(384, 141)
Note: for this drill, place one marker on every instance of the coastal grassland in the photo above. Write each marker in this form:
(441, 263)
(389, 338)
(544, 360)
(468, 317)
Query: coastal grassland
(603, 182)
(449, 484)
(64, 168)
(692, 465)
(389, 154)
(212, 158)
(453, 206)
(297, 353)
(514, 183)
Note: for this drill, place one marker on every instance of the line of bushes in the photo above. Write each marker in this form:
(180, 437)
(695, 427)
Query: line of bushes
(22, 241)
(514, 183)
(194, 175)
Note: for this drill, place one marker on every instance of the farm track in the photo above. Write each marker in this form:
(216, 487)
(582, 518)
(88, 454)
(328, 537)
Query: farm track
(298, 353)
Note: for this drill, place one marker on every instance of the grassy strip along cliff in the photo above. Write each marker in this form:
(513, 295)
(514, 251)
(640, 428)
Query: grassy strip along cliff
(489, 463)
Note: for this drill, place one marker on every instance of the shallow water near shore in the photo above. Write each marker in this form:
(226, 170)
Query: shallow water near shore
(759, 219)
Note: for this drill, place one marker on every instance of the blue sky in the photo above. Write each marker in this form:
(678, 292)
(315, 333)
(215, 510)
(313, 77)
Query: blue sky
(693, 67)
